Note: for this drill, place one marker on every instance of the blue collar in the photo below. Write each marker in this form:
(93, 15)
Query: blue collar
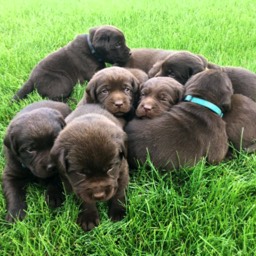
(204, 103)
(93, 51)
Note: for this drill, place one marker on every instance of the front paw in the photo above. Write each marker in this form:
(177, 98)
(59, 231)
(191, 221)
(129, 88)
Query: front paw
(116, 213)
(15, 214)
(54, 197)
(88, 220)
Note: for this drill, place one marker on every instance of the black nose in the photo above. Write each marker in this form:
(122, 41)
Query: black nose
(50, 168)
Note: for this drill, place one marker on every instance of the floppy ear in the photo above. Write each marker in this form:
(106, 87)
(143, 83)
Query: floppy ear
(203, 59)
(179, 93)
(155, 70)
(226, 105)
(10, 141)
(90, 92)
(92, 32)
(57, 158)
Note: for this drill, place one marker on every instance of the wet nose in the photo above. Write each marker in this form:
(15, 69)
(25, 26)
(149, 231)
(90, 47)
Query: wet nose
(147, 107)
(50, 168)
(99, 195)
(119, 103)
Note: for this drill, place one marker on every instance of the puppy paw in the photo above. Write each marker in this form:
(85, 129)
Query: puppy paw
(116, 213)
(15, 214)
(88, 220)
(54, 197)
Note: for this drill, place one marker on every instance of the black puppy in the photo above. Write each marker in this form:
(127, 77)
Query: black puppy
(27, 144)
(57, 74)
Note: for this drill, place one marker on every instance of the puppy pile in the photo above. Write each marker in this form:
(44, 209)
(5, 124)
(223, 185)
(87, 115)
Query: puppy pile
(173, 106)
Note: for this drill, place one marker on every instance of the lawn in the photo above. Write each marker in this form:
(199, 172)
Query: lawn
(204, 210)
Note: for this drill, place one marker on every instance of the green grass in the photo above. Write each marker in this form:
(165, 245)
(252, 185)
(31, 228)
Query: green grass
(205, 210)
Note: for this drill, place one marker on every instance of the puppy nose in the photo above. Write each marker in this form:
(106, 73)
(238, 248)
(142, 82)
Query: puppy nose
(147, 107)
(99, 195)
(119, 103)
(50, 167)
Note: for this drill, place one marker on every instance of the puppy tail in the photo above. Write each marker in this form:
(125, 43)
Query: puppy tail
(27, 88)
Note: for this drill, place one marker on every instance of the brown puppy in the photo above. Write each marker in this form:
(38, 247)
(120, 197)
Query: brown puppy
(114, 88)
(57, 74)
(241, 122)
(243, 80)
(27, 145)
(188, 131)
(90, 154)
(179, 65)
(158, 95)
(139, 74)
(145, 58)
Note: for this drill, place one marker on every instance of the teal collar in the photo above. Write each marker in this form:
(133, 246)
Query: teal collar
(204, 103)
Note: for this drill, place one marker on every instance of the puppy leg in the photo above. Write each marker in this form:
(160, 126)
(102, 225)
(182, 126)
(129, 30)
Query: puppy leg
(54, 193)
(15, 193)
(117, 202)
(88, 218)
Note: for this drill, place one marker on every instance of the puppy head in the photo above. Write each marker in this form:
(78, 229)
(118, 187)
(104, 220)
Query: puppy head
(30, 137)
(179, 65)
(114, 88)
(109, 43)
(91, 154)
(158, 95)
(211, 85)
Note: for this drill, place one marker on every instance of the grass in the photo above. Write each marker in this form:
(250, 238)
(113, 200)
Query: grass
(204, 210)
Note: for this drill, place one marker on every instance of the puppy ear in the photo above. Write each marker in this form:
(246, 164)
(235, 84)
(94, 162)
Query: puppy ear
(92, 32)
(57, 158)
(203, 59)
(155, 70)
(10, 141)
(180, 93)
(90, 92)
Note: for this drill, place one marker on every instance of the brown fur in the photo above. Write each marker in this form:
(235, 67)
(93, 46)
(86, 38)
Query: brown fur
(188, 131)
(145, 58)
(179, 65)
(241, 122)
(90, 154)
(114, 88)
(158, 95)
(57, 74)
(27, 143)
(243, 80)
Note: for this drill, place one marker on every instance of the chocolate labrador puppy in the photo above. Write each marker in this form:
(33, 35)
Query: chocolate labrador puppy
(190, 130)
(158, 95)
(145, 58)
(241, 123)
(90, 154)
(179, 65)
(57, 74)
(27, 143)
(243, 80)
(114, 88)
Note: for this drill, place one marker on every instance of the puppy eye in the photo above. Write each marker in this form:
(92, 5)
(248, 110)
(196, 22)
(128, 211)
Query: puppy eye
(170, 73)
(30, 150)
(127, 90)
(104, 91)
(118, 45)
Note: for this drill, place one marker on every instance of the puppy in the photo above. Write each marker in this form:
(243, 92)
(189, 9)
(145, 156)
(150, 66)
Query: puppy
(57, 74)
(241, 123)
(145, 58)
(243, 80)
(139, 74)
(189, 131)
(158, 95)
(90, 154)
(179, 65)
(27, 143)
(114, 88)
